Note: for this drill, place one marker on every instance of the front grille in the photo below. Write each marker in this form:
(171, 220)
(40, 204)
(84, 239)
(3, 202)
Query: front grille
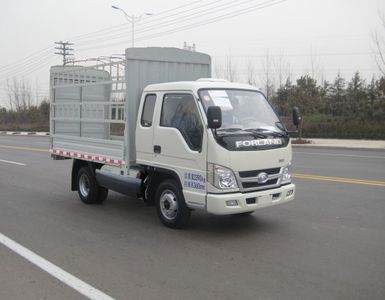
(254, 173)
(249, 180)
(248, 185)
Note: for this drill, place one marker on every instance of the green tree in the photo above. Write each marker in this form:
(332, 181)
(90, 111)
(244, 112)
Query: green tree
(307, 95)
(327, 107)
(281, 99)
(379, 102)
(356, 93)
(44, 109)
(338, 96)
(372, 96)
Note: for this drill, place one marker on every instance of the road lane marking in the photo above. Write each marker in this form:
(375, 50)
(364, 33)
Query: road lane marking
(12, 162)
(339, 179)
(24, 148)
(338, 155)
(65, 277)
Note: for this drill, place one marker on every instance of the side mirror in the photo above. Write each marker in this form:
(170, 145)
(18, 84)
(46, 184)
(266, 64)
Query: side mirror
(214, 117)
(297, 118)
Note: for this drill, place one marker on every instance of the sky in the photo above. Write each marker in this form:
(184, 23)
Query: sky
(285, 37)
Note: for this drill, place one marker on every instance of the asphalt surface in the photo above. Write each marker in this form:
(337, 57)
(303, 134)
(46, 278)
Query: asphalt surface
(327, 244)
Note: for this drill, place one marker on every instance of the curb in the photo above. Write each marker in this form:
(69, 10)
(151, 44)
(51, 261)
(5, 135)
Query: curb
(30, 133)
(337, 147)
(343, 144)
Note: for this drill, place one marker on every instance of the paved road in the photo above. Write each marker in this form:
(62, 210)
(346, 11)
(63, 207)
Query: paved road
(327, 244)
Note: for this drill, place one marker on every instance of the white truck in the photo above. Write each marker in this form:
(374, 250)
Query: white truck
(155, 126)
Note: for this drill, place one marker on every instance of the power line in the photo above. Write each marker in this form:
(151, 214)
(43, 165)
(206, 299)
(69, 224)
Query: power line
(200, 13)
(114, 28)
(35, 64)
(296, 55)
(24, 66)
(26, 59)
(45, 64)
(181, 18)
(31, 59)
(31, 66)
(236, 13)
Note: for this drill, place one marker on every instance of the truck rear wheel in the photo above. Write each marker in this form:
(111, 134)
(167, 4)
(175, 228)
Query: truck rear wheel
(170, 204)
(88, 189)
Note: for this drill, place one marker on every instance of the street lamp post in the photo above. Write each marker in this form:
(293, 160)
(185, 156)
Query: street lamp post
(132, 19)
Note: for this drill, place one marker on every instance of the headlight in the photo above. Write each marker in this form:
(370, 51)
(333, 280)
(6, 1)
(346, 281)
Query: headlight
(286, 177)
(221, 177)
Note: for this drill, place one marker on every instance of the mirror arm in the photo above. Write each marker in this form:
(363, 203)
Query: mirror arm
(292, 131)
(214, 131)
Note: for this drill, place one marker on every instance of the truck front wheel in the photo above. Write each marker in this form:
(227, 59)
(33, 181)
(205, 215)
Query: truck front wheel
(88, 189)
(170, 204)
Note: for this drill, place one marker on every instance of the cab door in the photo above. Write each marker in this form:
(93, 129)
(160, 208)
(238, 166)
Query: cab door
(180, 144)
(145, 130)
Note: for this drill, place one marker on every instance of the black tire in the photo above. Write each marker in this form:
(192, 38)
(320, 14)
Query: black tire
(88, 189)
(170, 204)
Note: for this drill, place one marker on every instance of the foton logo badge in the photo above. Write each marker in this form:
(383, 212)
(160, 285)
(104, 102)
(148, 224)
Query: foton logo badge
(262, 177)
(256, 143)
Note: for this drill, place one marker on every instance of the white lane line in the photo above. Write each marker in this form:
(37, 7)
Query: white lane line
(335, 154)
(12, 162)
(65, 277)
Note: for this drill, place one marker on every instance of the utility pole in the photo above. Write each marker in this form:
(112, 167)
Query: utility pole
(64, 50)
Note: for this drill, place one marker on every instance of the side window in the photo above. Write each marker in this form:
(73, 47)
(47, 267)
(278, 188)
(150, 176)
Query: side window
(180, 111)
(148, 111)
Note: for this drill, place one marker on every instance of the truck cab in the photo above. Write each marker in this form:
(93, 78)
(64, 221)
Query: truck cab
(234, 168)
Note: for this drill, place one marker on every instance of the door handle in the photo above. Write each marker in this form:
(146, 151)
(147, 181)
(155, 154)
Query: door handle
(157, 149)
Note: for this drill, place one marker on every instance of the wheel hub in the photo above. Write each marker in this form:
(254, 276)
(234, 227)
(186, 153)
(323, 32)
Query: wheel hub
(84, 185)
(168, 205)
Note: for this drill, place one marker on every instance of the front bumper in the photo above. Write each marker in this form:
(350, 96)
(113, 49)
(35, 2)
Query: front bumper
(216, 203)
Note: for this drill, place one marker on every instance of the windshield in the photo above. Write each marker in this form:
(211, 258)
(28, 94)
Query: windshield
(242, 109)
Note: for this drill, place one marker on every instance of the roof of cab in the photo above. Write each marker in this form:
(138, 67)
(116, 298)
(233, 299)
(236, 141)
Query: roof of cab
(196, 85)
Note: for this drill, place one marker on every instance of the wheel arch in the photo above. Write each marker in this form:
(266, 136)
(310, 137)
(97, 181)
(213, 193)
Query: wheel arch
(158, 175)
(77, 164)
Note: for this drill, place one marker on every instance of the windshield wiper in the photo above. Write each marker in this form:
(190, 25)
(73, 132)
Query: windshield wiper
(256, 133)
(276, 134)
(241, 131)
(266, 132)
(230, 129)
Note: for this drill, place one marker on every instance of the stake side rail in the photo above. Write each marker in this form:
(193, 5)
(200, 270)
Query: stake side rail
(88, 114)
